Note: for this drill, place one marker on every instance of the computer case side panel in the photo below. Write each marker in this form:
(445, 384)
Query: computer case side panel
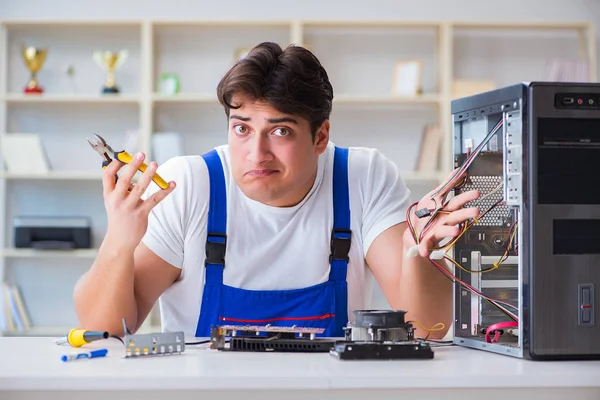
(486, 256)
(562, 212)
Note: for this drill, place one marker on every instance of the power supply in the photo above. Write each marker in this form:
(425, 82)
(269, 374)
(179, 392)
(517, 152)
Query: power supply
(528, 268)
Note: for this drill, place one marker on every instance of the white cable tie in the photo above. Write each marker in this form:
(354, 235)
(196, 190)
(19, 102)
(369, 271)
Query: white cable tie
(469, 144)
(437, 254)
(412, 251)
(445, 241)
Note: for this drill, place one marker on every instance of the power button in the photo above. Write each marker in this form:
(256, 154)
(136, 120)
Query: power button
(586, 304)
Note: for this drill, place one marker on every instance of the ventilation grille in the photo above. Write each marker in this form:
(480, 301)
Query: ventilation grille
(486, 184)
(281, 345)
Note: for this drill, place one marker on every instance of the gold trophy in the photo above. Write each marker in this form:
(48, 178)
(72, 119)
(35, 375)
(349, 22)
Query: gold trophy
(110, 61)
(34, 60)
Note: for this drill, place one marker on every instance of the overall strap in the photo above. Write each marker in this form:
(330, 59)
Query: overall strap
(216, 239)
(341, 236)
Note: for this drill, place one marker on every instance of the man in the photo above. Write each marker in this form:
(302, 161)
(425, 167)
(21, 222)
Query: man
(279, 226)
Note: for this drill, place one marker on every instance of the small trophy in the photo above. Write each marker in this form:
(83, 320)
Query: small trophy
(110, 61)
(34, 60)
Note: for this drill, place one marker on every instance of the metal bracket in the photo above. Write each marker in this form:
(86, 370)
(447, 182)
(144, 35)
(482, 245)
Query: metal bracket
(152, 344)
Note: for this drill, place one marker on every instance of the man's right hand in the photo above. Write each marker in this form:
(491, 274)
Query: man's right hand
(127, 212)
(126, 278)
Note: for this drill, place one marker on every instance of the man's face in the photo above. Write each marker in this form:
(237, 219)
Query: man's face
(273, 156)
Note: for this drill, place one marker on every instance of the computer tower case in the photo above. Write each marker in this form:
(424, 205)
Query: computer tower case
(528, 270)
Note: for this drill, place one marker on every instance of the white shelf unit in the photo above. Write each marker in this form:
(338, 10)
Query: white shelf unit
(358, 55)
(67, 113)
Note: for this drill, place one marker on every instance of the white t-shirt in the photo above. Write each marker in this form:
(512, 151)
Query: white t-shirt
(269, 247)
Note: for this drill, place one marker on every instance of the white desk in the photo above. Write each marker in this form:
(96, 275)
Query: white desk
(31, 368)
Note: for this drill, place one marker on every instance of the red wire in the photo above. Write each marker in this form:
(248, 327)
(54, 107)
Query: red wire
(454, 278)
(496, 329)
(452, 183)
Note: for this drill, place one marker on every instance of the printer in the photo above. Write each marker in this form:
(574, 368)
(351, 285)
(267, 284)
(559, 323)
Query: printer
(41, 232)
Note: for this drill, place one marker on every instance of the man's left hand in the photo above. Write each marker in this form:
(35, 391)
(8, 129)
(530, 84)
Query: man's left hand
(448, 217)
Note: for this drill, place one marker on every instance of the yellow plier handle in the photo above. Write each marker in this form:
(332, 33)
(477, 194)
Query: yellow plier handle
(126, 158)
(105, 151)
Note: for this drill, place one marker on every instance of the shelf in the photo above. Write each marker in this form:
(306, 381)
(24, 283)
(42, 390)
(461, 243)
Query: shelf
(35, 253)
(358, 99)
(55, 175)
(522, 25)
(341, 99)
(69, 23)
(222, 23)
(185, 98)
(70, 98)
(371, 24)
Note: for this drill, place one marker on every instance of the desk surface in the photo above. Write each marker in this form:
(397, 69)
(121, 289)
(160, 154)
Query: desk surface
(35, 364)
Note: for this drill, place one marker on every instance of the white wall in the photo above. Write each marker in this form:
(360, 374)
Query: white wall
(315, 9)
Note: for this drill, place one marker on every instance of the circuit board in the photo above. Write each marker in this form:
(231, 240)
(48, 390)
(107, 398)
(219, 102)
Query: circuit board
(256, 338)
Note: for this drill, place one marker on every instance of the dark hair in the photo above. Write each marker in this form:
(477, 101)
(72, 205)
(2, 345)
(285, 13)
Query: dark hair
(291, 80)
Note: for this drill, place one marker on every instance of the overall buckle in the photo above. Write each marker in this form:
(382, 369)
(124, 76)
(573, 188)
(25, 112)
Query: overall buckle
(340, 246)
(215, 251)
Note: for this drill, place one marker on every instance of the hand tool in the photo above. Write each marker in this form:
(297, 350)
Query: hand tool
(78, 356)
(78, 337)
(108, 154)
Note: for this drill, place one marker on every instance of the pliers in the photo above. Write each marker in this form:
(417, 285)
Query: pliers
(108, 154)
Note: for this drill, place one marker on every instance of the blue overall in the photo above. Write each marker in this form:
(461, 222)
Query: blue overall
(323, 305)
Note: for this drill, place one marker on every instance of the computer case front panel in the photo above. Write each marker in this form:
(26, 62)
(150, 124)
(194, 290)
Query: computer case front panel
(564, 216)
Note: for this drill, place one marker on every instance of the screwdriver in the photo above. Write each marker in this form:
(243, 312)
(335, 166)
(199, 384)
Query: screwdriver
(78, 337)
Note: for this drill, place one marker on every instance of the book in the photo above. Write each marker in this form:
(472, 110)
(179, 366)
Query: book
(23, 153)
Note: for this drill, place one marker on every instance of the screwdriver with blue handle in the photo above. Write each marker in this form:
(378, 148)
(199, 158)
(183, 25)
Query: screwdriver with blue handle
(108, 154)
(79, 356)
